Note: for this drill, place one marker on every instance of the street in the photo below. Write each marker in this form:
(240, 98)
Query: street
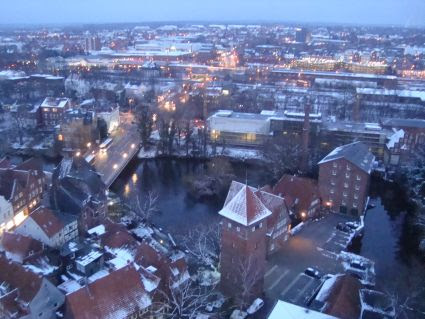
(125, 144)
(316, 245)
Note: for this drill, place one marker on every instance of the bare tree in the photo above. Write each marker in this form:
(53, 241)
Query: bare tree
(185, 301)
(283, 155)
(19, 121)
(145, 206)
(203, 243)
(250, 275)
(407, 292)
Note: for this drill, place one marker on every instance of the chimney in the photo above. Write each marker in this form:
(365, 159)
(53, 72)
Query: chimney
(305, 137)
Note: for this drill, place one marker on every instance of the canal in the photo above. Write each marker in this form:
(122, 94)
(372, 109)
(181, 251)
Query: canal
(386, 240)
(178, 210)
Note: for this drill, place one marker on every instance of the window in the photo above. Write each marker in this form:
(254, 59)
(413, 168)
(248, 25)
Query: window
(358, 177)
(238, 228)
(253, 228)
(261, 225)
(333, 182)
(356, 196)
(343, 203)
(344, 194)
(347, 175)
(355, 204)
(229, 225)
(333, 172)
(357, 187)
(335, 164)
(345, 185)
(348, 168)
(332, 191)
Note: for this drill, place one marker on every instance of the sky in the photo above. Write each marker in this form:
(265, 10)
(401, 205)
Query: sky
(378, 12)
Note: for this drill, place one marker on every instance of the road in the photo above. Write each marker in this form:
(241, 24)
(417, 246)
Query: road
(124, 146)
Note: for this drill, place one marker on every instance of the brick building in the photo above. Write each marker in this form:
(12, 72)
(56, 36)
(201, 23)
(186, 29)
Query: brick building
(21, 190)
(53, 110)
(255, 222)
(301, 195)
(344, 177)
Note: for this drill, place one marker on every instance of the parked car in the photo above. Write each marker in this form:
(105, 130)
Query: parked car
(255, 306)
(238, 314)
(312, 272)
(344, 228)
(358, 265)
(352, 225)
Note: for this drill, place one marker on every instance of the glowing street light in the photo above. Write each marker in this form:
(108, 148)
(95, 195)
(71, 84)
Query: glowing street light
(115, 166)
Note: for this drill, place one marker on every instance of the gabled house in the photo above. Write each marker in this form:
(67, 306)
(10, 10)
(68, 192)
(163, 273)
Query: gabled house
(301, 195)
(25, 294)
(118, 295)
(344, 178)
(51, 228)
(20, 248)
(21, 191)
(78, 189)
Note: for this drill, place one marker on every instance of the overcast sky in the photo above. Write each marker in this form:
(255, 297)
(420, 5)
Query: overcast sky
(394, 12)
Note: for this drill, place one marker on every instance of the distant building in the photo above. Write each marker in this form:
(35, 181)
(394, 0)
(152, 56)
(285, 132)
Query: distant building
(234, 128)
(53, 110)
(344, 178)
(92, 43)
(21, 191)
(334, 134)
(302, 35)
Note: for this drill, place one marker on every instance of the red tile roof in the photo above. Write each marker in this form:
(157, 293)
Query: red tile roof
(299, 192)
(47, 220)
(115, 296)
(18, 247)
(27, 282)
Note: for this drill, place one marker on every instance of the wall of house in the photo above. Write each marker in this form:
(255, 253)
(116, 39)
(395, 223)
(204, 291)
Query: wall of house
(31, 229)
(6, 214)
(343, 186)
(239, 242)
(46, 302)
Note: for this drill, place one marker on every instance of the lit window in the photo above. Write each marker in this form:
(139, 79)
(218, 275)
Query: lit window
(335, 164)
(345, 185)
(334, 172)
(358, 177)
(229, 225)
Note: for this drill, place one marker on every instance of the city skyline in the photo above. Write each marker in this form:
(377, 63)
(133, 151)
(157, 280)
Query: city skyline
(401, 13)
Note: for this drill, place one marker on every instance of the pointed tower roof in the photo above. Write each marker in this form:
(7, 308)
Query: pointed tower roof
(245, 207)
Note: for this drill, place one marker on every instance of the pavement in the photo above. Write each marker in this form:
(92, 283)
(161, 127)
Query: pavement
(316, 245)
(124, 146)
